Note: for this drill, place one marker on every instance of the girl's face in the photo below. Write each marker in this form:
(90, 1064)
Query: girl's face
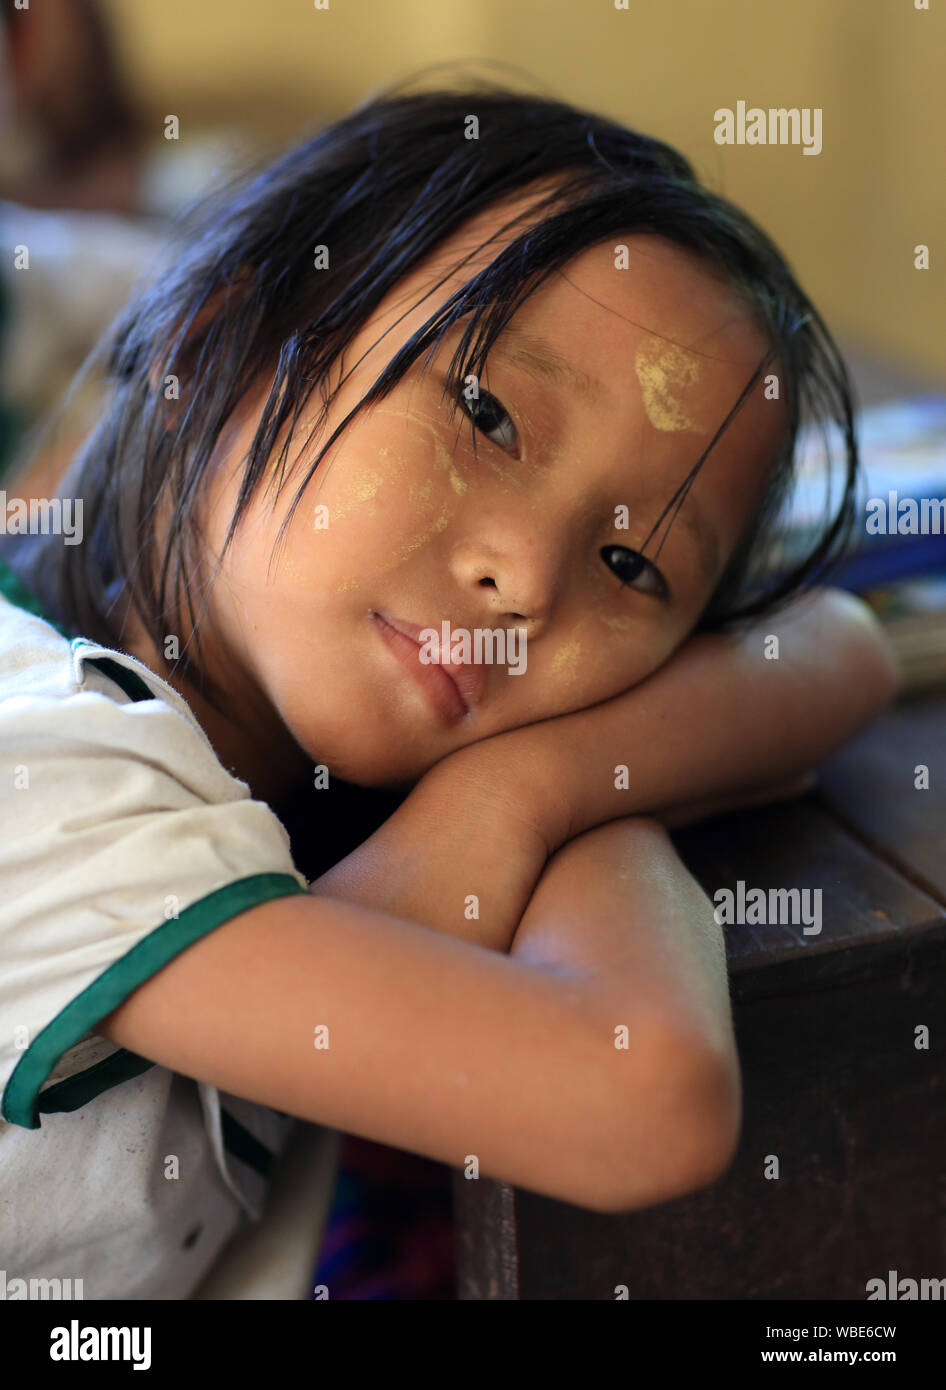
(594, 406)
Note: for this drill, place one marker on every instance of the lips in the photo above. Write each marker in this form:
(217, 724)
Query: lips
(468, 680)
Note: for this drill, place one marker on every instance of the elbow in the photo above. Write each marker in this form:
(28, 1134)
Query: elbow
(685, 1132)
(877, 672)
(708, 1124)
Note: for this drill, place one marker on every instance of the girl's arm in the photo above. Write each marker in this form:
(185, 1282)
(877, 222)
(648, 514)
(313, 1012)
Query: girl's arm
(461, 854)
(718, 726)
(693, 811)
(378, 1027)
(674, 957)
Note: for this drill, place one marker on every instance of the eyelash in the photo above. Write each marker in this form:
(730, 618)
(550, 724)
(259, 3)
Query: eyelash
(640, 561)
(478, 400)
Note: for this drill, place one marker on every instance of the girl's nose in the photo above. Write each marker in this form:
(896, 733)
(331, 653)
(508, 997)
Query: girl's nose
(521, 585)
(514, 558)
(488, 582)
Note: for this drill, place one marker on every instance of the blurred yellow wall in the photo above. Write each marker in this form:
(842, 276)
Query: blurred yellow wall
(848, 219)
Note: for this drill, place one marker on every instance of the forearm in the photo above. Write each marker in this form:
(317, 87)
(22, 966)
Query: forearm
(618, 905)
(466, 849)
(459, 854)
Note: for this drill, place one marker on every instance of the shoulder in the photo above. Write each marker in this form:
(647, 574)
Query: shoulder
(57, 693)
(123, 839)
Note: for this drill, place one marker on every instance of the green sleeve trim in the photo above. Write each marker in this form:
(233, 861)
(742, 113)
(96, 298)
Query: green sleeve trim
(21, 1098)
(238, 1140)
(76, 1091)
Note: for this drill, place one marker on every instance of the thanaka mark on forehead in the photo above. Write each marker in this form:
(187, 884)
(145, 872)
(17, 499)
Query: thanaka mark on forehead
(664, 370)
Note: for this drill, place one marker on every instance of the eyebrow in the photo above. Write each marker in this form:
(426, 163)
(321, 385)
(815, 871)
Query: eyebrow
(540, 359)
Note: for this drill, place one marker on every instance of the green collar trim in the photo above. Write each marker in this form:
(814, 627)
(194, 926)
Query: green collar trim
(242, 1144)
(127, 680)
(76, 1091)
(17, 593)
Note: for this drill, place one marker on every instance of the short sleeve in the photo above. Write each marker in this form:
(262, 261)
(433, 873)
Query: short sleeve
(123, 840)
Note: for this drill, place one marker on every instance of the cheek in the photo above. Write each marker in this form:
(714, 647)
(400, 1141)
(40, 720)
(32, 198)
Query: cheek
(603, 656)
(379, 502)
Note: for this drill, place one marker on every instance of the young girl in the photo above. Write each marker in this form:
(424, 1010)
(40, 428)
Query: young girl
(559, 384)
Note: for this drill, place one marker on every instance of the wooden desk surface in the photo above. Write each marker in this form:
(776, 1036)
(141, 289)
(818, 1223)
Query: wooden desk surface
(833, 1083)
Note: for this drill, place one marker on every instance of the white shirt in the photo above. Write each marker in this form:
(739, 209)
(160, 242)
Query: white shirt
(123, 839)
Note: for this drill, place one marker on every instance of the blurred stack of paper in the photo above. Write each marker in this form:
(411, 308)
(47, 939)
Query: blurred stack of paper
(897, 561)
(913, 612)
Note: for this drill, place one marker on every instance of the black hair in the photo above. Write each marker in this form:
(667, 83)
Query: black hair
(381, 189)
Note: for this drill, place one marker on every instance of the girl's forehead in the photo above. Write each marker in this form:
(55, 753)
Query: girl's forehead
(614, 295)
(635, 308)
(644, 280)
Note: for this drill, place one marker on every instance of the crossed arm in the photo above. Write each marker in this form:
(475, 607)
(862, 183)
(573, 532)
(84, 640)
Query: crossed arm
(596, 930)
(718, 726)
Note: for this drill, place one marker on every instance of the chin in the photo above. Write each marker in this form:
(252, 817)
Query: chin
(387, 768)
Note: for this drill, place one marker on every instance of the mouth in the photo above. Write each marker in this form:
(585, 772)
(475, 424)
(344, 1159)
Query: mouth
(452, 690)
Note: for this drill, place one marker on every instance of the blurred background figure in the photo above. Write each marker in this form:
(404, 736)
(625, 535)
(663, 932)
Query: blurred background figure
(90, 188)
(71, 136)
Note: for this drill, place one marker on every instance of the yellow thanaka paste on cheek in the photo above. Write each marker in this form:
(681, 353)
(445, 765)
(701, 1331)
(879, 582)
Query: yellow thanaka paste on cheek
(363, 489)
(441, 454)
(566, 658)
(421, 493)
(664, 371)
(423, 538)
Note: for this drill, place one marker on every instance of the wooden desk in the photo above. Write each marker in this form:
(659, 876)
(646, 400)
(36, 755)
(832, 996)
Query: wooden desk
(833, 1083)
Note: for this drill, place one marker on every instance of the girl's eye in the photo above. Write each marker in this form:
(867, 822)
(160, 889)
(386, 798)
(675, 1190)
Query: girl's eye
(629, 565)
(489, 416)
